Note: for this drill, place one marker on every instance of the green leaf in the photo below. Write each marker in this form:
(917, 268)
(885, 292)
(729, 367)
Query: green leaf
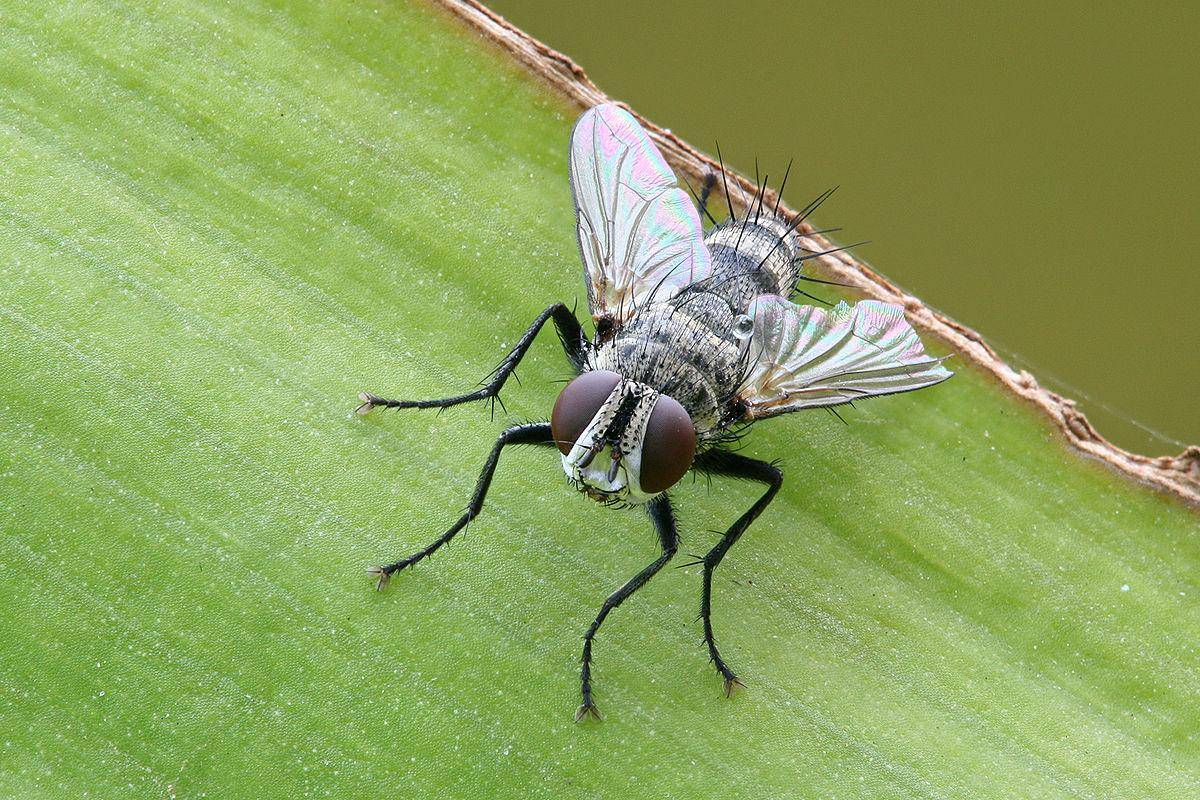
(222, 221)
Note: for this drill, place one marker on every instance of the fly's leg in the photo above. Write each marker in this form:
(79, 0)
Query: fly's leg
(569, 331)
(723, 462)
(664, 523)
(710, 180)
(532, 433)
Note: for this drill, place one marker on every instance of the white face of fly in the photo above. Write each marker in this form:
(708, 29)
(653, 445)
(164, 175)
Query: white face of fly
(606, 459)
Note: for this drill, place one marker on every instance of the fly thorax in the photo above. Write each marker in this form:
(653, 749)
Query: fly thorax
(678, 355)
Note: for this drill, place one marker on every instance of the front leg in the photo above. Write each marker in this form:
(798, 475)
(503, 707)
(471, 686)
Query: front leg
(532, 433)
(569, 331)
(723, 462)
(664, 523)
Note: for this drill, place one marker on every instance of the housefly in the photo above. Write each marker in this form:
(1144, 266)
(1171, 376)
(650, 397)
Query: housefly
(695, 338)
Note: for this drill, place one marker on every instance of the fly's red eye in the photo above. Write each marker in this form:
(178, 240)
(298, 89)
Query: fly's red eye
(577, 403)
(669, 446)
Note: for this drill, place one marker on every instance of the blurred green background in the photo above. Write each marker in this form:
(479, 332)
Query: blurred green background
(1029, 169)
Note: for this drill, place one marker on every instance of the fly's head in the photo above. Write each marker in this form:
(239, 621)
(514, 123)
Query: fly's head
(621, 441)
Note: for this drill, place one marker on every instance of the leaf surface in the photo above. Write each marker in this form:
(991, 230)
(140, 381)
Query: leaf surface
(220, 221)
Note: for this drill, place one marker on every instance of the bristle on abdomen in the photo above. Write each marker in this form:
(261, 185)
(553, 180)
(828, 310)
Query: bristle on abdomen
(761, 243)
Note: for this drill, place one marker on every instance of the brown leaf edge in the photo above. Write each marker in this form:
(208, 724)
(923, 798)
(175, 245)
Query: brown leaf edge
(1178, 475)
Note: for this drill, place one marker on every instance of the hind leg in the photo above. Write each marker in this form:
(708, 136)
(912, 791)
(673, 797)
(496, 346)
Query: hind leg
(710, 180)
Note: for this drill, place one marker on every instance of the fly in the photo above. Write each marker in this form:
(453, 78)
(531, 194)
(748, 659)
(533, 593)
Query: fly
(695, 339)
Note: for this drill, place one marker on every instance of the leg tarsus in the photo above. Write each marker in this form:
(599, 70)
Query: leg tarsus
(369, 401)
(588, 709)
(381, 576)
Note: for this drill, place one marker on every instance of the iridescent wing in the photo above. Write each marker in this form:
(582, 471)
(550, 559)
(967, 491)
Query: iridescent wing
(639, 234)
(804, 357)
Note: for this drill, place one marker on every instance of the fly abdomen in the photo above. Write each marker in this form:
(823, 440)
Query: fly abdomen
(759, 251)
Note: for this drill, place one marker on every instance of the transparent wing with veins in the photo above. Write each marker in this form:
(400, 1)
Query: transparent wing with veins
(639, 234)
(805, 357)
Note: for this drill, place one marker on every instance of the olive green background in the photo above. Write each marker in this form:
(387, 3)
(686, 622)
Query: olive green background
(1029, 168)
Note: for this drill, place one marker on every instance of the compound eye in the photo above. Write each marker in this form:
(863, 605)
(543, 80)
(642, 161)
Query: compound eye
(668, 447)
(577, 403)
